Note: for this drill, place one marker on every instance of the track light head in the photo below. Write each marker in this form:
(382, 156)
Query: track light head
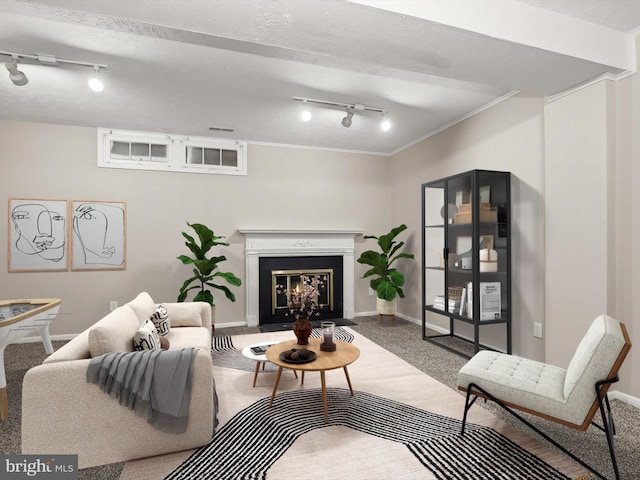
(346, 121)
(17, 77)
(385, 124)
(95, 83)
(305, 114)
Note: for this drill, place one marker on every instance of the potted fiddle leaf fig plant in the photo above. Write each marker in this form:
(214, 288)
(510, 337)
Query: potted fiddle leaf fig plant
(387, 281)
(205, 271)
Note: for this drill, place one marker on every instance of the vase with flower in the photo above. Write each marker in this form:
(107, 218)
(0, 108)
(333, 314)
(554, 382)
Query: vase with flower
(303, 304)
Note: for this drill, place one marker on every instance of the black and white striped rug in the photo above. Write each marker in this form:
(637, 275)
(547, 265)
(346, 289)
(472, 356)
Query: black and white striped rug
(256, 437)
(225, 343)
(222, 344)
(225, 354)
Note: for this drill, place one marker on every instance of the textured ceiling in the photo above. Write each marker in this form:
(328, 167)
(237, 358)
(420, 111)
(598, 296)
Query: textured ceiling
(182, 67)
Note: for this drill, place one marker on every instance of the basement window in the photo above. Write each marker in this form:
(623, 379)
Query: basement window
(153, 151)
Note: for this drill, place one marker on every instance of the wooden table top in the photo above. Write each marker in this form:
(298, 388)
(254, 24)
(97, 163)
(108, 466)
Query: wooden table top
(38, 305)
(344, 355)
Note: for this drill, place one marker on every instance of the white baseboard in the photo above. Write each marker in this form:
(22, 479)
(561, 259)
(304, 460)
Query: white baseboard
(365, 314)
(231, 324)
(399, 315)
(624, 397)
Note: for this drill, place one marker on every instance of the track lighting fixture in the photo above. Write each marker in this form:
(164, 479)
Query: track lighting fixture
(17, 77)
(306, 113)
(95, 82)
(385, 124)
(346, 121)
(350, 108)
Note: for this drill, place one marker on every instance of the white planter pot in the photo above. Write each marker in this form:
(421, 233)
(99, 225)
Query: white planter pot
(386, 307)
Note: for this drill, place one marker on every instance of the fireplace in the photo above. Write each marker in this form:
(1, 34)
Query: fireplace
(308, 250)
(280, 286)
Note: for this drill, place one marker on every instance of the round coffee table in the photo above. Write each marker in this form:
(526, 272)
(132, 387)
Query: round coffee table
(344, 355)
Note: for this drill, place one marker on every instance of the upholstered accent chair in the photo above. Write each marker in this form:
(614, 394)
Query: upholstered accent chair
(570, 396)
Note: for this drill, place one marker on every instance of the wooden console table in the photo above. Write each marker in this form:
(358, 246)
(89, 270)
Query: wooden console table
(18, 318)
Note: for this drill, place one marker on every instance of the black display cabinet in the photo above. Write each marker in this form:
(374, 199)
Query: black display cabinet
(466, 261)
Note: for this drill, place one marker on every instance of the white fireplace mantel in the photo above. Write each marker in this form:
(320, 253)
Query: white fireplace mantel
(296, 243)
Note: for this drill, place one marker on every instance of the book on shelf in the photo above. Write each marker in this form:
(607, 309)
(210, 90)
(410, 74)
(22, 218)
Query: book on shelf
(463, 302)
(490, 300)
(439, 303)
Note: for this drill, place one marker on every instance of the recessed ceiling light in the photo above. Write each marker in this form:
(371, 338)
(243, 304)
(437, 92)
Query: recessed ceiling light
(221, 129)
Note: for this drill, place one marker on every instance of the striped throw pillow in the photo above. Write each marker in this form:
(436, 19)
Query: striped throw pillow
(146, 337)
(160, 319)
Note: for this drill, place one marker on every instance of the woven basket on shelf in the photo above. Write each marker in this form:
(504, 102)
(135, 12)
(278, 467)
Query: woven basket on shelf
(455, 293)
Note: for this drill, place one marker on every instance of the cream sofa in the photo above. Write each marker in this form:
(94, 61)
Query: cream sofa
(63, 414)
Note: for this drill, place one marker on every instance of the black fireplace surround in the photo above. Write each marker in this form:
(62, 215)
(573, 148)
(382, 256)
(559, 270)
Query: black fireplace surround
(270, 264)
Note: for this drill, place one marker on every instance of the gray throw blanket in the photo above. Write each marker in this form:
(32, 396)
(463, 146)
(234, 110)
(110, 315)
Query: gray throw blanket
(154, 383)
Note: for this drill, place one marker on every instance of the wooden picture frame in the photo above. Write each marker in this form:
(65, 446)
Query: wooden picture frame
(38, 232)
(98, 235)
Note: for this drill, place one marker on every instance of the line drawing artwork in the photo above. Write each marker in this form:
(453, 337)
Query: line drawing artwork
(99, 235)
(37, 234)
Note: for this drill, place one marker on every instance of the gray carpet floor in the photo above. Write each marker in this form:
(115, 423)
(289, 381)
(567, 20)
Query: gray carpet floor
(404, 339)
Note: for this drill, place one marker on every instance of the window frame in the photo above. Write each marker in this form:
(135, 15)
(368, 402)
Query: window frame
(176, 152)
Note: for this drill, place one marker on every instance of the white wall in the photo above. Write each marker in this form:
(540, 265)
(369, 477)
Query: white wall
(507, 137)
(592, 211)
(286, 188)
(577, 131)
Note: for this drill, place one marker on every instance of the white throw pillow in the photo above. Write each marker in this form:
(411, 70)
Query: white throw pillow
(113, 333)
(146, 337)
(161, 320)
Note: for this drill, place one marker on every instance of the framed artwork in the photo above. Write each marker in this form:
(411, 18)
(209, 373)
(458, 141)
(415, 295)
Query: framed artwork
(37, 235)
(463, 243)
(99, 235)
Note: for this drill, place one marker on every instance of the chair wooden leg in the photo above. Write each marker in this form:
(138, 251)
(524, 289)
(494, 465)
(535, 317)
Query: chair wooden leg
(4, 404)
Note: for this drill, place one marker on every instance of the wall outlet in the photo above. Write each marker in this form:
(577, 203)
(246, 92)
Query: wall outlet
(113, 304)
(537, 329)
(371, 292)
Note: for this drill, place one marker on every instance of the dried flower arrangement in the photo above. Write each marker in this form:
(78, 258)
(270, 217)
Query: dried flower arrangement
(303, 300)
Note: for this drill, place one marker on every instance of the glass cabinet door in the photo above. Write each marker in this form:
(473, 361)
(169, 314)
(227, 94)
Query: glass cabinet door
(433, 245)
